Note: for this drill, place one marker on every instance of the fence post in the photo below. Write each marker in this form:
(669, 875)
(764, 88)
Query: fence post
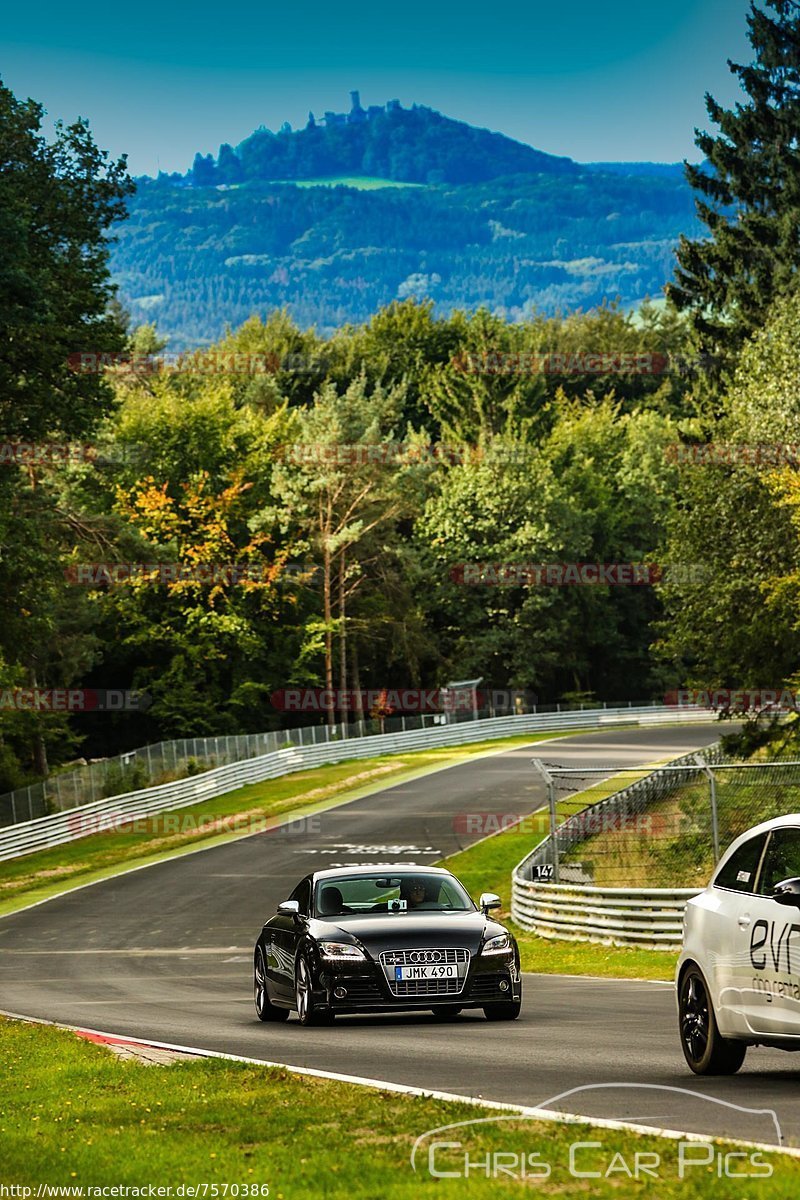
(712, 792)
(551, 805)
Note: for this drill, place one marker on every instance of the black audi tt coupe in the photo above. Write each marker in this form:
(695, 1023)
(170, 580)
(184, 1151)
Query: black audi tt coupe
(385, 939)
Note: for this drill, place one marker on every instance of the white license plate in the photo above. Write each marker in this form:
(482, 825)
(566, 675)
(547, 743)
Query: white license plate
(428, 971)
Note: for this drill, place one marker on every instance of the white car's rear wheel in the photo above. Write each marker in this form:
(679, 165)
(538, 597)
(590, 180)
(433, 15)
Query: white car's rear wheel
(705, 1049)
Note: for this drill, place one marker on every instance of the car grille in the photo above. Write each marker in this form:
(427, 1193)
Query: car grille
(409, 958)
(424, 956)
(426, 987)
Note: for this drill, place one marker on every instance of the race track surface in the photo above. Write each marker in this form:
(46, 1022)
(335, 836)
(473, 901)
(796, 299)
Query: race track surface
(166, 953)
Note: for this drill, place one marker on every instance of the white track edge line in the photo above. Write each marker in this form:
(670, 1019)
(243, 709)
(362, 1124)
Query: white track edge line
(423, 1093)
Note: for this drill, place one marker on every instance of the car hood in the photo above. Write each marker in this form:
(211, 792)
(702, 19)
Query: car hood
(404, 931)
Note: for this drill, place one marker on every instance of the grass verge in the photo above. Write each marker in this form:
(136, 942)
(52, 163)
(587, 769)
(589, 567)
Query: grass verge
(364, 183)
(72, 1115)
(47, 873)
(487, 867)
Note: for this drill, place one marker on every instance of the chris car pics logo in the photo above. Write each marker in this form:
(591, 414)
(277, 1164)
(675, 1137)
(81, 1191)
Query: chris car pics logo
(500, 1147)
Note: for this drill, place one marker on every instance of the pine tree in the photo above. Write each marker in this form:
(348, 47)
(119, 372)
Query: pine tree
(229, 167)
(203, 171)
(748, 191)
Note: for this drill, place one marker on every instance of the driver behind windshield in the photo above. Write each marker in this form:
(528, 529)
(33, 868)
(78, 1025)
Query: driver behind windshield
(414, 892)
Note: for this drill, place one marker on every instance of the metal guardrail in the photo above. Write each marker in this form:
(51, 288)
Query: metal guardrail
(58, 828)
(646, 917)
(650, 918)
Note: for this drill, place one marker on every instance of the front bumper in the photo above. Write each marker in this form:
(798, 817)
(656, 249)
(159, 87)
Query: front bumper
(493, 979)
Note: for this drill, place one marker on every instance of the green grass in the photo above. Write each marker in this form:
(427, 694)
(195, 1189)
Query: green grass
(72, 1114)
(487, 867)
(49, 872)
(365, 183)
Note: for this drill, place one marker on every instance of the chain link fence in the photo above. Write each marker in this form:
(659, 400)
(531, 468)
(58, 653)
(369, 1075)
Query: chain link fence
(664, 829)
(167, 761)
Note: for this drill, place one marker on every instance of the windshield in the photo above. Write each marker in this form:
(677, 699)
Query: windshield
(390, 894)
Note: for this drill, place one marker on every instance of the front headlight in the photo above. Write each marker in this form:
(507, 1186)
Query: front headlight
(497, 945)
(342, 950)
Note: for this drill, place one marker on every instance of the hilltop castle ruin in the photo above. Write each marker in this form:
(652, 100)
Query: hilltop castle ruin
(357, 114)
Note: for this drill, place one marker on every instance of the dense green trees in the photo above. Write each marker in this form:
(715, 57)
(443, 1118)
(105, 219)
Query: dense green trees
(748, 190)
(318, 500)
(738, 624)
(57, 200)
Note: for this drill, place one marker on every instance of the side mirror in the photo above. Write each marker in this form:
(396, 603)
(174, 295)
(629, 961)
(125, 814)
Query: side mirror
(289, 908)
(489, 900)
(787, 892)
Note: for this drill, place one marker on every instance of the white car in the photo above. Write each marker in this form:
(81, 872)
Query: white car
(738, 977)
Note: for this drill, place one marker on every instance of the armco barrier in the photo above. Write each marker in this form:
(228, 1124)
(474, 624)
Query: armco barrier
(58, 828)
(651, 918)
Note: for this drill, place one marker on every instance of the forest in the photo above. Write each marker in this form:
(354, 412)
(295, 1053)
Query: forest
(597, 504)
(199, 259)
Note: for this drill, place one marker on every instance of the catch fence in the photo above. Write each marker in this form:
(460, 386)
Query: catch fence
(619, 863)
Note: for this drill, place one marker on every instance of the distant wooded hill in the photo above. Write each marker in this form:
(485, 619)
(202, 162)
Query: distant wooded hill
(407, 145)
(495, 224)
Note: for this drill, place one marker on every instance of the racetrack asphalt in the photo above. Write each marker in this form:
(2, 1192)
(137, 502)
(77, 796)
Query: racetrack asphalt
(165, 952)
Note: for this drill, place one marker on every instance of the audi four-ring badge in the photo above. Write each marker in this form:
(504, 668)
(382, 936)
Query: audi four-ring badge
(385, 939)
(739, 972)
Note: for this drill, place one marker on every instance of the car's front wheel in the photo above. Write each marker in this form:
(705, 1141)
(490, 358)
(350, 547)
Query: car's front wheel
(705, 1049)
(265, 1009)
(507, 1011)
(307, 1010)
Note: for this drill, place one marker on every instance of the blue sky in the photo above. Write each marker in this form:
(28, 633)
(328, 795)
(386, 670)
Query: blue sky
(620, 79)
